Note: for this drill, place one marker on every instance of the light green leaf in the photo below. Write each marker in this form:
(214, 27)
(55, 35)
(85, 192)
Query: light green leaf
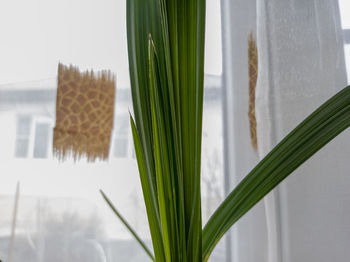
(149, 196)
(167, 92)
(131, 230)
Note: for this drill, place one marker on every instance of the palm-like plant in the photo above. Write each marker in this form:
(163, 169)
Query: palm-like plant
(166, 57)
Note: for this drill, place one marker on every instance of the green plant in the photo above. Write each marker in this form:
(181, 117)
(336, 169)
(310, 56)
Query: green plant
(166, 57)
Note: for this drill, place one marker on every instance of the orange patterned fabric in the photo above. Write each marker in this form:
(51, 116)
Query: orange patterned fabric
(253, 76)
(84, 114)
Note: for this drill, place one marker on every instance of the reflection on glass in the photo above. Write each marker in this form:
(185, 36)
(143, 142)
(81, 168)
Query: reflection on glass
(41, 140)
(22, 136)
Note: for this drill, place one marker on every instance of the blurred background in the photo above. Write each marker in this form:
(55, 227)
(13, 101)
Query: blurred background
(303, 59)
(61, 215)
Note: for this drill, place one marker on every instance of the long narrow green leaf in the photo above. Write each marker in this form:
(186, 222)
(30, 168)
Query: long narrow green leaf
(126, 224)
(312, 134)
(167, 97)
(148, 195)
(189, 17)
(160, 153)
(167, 93)
(196, 220)
(171, 49)
(143, 19)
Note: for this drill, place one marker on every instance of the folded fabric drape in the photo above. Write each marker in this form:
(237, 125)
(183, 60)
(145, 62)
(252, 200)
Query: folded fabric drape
(84, 113)
(301, 65)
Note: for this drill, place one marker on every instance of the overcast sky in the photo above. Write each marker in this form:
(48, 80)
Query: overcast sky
(36, 34)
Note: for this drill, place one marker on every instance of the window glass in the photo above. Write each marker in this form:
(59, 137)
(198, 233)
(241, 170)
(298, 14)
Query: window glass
(22, 136)
(344, 6)
(121, 140)
(62, 216)
(41, 140)
(347, 59)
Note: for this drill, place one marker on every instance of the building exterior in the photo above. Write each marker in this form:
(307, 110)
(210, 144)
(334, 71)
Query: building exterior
(65, 195)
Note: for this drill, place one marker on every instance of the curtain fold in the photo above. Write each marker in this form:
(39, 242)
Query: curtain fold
(301, 64)
(248, 236)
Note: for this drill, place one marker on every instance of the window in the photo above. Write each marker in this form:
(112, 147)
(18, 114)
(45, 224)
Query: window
(24, 124)
(32, 137)
(41, 140)
(344, 6)
(122, 139)
(59, 201)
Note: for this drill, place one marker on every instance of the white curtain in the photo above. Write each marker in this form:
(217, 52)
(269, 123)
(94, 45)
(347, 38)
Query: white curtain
(248, 242)
(301, 64)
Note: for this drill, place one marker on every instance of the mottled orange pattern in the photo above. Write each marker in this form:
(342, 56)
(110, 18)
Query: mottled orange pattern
(84, 113)
(253, 76)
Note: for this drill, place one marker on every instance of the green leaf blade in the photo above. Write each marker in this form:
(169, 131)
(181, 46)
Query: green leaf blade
(160, 153)
(126, 224)
(168, 114)
(150, 198)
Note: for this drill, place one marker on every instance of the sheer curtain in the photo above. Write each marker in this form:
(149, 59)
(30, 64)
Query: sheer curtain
(301, 64)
